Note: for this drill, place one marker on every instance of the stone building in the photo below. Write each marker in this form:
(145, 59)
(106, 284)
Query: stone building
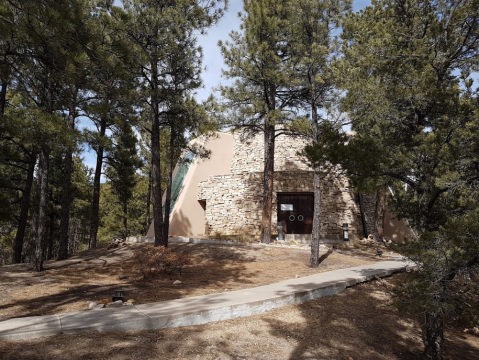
(223, 195)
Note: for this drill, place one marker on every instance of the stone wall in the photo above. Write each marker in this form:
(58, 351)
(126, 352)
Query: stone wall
(233, 203)
(248, 155)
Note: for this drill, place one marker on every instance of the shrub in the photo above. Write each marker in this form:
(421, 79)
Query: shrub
(151, 261)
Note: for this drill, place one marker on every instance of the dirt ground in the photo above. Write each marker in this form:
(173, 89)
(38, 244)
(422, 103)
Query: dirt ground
(360, 324)
(72, 284)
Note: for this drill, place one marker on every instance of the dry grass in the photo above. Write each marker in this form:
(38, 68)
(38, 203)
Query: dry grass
(93, 275)
(360, 323)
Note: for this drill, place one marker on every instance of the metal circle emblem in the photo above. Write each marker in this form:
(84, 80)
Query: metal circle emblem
(291, 218)
(300, 218)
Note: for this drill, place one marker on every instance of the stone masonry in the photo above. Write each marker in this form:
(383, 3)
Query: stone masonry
(233, 201)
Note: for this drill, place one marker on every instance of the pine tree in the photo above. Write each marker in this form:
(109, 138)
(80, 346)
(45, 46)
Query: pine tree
(409, 95)
(122, 164)
(313, 28)
(154, 29)
(114, 87)
(263, 95)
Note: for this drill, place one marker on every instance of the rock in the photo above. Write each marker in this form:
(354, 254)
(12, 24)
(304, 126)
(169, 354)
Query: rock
(177, 282)
(297, 276)
(92, 305)
(131, 301)
(474, 330)
(128, 304)
(117, 303)
(112, 245)
(97, 307)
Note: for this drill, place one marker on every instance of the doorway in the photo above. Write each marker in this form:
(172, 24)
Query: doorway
(295, 212)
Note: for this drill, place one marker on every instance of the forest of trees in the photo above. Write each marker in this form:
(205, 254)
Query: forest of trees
(129, 71)
(399, 73)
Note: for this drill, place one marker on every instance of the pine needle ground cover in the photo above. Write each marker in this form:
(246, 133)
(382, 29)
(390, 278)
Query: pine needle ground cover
(360, 323)
(70, 285)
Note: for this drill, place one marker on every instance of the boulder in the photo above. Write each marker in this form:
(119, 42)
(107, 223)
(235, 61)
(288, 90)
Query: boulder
(97, 307)
(117, 303)
(177, 282)
(93, 305)
(112, 245)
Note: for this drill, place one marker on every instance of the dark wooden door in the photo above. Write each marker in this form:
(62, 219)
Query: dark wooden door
(295, 212)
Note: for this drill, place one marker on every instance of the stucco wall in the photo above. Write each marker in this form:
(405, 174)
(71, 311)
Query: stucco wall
(188, 216)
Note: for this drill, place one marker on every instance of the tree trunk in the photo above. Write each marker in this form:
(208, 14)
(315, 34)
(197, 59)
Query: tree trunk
(380, 212)
(65, 207)
(66, 194)
(317, 186)
(166, 223)
(3, 98)
(95, 206)
(24, 207)
(125, 220)
(268, 175)
(315, 238)
(5, 74)
(433, 337)
(155, 164)
(41, 219)
(50, 238)
(148, 203)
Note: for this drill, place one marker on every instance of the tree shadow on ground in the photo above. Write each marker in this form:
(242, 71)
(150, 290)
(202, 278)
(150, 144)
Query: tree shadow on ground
(71, 287)
(360, 323)
(324, 256)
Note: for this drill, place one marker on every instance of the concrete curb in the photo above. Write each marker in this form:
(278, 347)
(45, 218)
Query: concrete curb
(180, 239)
(200, 309)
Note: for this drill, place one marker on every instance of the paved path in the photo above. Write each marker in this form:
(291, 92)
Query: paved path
(199, 309)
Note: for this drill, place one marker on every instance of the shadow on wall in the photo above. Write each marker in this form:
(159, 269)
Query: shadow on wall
(396, 230)
(238, 209)
(180, 223)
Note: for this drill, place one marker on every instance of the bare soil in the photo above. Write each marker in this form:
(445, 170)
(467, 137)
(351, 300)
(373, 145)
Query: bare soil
(360, 323)
(72, 284)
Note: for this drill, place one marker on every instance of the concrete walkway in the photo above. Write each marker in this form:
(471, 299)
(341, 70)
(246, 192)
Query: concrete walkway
(199, 309)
